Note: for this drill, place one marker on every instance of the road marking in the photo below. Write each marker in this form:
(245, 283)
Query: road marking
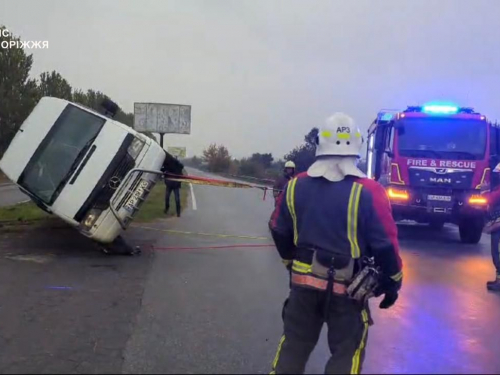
(193, 198)
(41, 259)
(59, 287)
(202, 234)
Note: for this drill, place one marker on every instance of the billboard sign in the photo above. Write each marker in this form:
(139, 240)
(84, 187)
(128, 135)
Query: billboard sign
(180, 152)
(162, 118)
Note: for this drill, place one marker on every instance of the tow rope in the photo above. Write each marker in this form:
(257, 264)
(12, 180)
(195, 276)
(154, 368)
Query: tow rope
(215, 182)
(186, 233)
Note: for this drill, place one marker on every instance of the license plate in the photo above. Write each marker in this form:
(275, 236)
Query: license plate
(440, 198)
(136, 196)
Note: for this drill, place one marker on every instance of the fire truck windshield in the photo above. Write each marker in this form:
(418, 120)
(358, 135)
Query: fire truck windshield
(443, 138)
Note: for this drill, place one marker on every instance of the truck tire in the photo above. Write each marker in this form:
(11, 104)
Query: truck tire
(471, 230)
(119, 247)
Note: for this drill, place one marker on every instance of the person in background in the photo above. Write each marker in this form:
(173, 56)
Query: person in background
(173, 167)
(281, 182)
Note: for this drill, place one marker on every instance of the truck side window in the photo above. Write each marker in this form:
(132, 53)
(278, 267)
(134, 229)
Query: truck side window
(380, 138)
(493, 141)
(390, 139)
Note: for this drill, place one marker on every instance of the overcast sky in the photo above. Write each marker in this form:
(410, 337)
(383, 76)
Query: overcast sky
(260, 73)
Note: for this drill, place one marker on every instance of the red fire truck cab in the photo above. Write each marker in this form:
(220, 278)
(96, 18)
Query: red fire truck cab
(433, 161)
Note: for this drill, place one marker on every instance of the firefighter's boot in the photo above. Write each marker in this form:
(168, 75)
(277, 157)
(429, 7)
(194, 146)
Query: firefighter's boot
(494, 286)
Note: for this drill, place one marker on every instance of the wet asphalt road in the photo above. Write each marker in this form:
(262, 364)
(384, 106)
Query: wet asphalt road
(64, 306)
(218, 310)
(10, 194)
(190, 307)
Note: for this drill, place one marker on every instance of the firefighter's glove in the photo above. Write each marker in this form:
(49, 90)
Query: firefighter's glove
(389, 300)
(390, 288)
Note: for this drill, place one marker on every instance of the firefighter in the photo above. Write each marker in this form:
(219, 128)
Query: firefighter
(281, 182)
(326, 222)
(493, 227)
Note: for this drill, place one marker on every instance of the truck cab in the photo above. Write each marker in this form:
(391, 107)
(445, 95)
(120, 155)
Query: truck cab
(433, 161)
(86, 168)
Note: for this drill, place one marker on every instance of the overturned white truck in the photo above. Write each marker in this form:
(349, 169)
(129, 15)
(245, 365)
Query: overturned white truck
(88, 169)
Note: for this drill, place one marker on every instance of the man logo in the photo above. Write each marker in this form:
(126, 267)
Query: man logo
(441, 170)
(343, 129)
(440, 180)
(114, 182)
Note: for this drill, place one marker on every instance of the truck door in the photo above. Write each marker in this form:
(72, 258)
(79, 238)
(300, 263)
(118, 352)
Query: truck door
(379, 151)
(387, 154)
(494, 157)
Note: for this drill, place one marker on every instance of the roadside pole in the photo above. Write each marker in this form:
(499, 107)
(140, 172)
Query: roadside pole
(161, 139)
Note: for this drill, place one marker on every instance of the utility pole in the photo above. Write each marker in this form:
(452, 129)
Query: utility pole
(161, 139)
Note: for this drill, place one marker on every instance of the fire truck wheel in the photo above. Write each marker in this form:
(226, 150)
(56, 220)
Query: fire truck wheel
(471, 230)
(436, 225)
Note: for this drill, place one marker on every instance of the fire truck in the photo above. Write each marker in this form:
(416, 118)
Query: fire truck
(434, 161)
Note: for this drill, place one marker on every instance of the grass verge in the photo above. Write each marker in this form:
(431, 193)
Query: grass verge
(23, 212)
(153, 207)
(27, 216)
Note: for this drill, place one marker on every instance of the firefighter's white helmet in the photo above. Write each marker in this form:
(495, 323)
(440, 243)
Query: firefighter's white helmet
(339, 136)
(290, 164)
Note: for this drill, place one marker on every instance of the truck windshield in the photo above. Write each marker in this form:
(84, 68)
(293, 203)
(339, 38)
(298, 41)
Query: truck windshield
(442, 138)
(60, 153)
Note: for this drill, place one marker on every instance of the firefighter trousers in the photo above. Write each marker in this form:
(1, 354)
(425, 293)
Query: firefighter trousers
(495, 250)
(347, 323)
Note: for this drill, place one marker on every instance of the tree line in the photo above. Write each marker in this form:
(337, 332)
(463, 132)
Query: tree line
(217, 159)
(19, 92)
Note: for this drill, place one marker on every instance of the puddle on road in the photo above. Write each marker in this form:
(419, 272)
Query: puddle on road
(40, 259)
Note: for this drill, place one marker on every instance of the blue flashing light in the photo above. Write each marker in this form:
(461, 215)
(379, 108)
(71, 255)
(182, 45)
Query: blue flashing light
(386, 116)
(441, 109)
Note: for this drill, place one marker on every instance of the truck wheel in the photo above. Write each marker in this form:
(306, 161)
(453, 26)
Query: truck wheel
(471, 230)
(436, 225)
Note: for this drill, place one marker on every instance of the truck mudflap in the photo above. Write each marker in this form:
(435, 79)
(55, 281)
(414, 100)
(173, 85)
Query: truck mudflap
(131, 193)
